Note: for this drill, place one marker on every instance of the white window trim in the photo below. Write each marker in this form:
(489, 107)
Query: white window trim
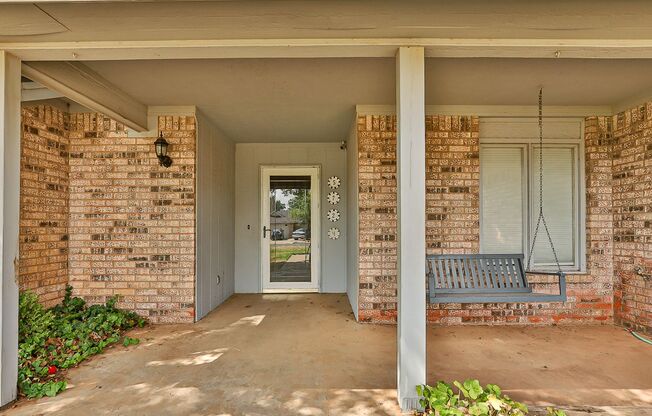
(504, 132)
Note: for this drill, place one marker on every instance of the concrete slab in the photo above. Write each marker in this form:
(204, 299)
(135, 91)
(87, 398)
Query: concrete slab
(305, 355)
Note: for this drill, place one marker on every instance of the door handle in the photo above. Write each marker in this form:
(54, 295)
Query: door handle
(265, 230)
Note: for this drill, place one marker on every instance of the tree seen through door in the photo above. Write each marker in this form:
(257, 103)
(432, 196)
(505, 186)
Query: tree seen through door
(290, 203)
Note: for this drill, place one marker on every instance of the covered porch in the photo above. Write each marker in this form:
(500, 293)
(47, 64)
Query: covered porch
(419, 125)
(306, 355)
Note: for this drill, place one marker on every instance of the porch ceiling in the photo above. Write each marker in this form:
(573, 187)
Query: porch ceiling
(479, 19)
(292, 100)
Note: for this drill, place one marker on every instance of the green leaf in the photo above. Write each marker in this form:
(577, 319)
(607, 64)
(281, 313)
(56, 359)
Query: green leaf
(130, 341)
(474, 388)
(479, 409)
(461, 388)
(494, 389)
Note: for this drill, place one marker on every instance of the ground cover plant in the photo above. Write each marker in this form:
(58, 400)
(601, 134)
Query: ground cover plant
(53, 340)
(470, 399)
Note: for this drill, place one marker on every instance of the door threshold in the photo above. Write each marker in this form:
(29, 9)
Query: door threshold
(291, 291)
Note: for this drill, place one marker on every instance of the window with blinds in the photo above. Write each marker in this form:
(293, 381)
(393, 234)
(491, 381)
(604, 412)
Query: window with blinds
(509, 201)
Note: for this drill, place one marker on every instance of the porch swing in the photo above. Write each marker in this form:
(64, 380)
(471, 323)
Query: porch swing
(494, 278)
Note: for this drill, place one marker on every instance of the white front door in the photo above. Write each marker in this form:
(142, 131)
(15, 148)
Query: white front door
(290, 234)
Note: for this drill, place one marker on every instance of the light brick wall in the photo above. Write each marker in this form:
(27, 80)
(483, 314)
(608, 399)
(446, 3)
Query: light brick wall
(131, 221)
(452, 184)
(377, 220)
(43, 246)
(452, 208)
(632, 206)
(452, 216)
(99, 213)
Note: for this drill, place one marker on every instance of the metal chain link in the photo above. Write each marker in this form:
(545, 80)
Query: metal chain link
(542, 218)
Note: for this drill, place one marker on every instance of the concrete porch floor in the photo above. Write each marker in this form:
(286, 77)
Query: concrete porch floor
(305, 355)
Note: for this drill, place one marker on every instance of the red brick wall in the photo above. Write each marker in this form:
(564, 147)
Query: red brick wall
(452, 208)
(43, 246)
(632, 205)
(131, 221)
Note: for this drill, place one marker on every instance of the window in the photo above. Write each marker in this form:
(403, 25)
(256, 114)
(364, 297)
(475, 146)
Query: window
(509, 200)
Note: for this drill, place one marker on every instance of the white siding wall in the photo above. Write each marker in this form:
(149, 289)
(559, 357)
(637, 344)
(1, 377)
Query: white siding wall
(249, 158)
(215, 217)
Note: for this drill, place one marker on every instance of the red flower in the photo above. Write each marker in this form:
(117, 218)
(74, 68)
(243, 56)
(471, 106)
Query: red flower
(52, 369)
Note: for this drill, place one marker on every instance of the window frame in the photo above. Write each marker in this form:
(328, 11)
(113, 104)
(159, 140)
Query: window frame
(522, 133)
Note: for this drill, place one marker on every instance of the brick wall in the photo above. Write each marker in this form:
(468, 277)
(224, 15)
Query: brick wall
(43, 243)
(99, 213)
(452, 209)
(132, 221)
(452, 184)
(452, 216)
(377, 220)
(632, 205)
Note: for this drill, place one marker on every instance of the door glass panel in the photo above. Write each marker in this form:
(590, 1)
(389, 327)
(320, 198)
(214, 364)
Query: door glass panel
(289, 248)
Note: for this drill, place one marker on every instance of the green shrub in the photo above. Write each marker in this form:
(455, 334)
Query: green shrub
(59, 338)
(471, 399)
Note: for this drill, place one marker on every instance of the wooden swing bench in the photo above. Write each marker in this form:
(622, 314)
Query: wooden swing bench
(485, 278)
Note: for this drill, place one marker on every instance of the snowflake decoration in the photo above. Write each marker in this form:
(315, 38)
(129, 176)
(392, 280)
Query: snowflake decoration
(333, 233)
(334, 182)
(333, 198)
(333, 215)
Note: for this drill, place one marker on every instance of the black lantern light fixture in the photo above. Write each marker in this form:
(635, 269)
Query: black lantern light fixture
(161, 146)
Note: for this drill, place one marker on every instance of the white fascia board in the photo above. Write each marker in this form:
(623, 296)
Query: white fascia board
(329, 48)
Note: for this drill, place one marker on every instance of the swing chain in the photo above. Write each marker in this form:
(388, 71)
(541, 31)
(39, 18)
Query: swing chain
(542, 218)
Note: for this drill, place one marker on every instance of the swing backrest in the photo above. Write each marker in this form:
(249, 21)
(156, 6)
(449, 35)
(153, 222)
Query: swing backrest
(477, 273)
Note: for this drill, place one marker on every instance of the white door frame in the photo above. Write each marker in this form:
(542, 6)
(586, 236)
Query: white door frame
(314, 171)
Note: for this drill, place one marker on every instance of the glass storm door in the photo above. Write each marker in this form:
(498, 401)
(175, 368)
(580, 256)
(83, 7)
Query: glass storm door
(290, 229)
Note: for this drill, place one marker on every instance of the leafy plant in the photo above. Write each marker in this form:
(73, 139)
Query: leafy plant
(471, 399)
(130, 341)
(63, 336)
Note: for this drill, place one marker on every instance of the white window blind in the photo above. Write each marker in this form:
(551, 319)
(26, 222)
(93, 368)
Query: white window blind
(558, 201)
(501, 170)
(509, 179)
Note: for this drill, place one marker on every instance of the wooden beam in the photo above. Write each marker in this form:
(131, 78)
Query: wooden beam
(86, 87)
(329, 48)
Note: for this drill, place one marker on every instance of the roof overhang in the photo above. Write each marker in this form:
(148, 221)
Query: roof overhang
(329, 48)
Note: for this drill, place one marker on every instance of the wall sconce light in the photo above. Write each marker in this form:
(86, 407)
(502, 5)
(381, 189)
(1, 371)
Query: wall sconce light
(161, 146)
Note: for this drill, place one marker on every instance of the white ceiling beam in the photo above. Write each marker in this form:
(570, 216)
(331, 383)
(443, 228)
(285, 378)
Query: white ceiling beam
(32, 91)
(330, 48)
(84, 86)
(494, 110)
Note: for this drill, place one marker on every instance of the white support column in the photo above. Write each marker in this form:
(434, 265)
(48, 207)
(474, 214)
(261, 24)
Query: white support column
(411, 181)
(10, 77)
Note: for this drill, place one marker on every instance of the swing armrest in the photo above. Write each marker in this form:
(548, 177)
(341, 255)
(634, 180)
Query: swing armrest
(546, 273)
(562, 280)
